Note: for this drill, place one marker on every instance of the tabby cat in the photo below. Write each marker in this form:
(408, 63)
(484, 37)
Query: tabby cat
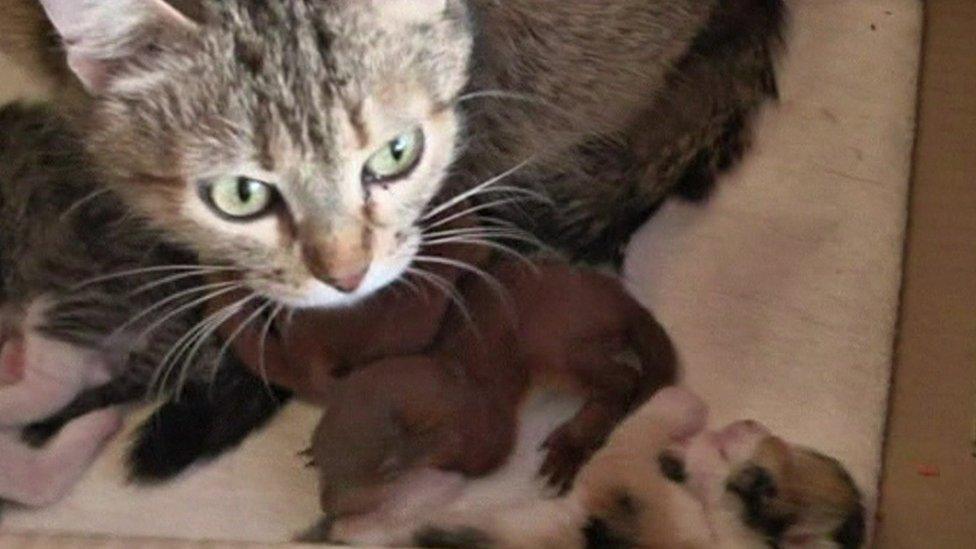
(310, 143)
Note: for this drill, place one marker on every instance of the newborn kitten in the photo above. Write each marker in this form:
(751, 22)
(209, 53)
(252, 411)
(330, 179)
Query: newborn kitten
(91, 300)
(37, 477)
(456, 406)
(303, 141)
(756, 490)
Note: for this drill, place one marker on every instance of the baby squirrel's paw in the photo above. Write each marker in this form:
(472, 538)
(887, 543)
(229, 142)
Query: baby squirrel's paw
(565, 455)
(308, 456)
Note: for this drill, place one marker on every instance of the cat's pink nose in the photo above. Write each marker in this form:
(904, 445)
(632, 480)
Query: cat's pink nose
(349, 283)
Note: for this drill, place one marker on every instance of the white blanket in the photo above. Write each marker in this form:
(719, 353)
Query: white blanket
(781, 292)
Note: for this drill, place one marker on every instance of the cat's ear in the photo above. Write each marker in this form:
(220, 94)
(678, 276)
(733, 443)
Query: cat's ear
(97, 34)
(412, 11)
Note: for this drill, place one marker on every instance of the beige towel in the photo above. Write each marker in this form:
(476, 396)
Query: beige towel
(781, 292)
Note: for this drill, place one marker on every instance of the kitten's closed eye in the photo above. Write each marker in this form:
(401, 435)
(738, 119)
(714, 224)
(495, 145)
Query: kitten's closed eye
(753, 482)
(672, 468)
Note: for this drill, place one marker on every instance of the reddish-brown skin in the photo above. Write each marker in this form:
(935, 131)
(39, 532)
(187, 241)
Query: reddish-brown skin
(456, 407)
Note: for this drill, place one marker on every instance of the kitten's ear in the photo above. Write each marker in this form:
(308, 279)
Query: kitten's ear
(97, 34)
(412, 11)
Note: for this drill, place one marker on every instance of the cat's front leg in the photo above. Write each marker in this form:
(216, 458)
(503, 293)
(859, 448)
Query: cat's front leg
(36, 477)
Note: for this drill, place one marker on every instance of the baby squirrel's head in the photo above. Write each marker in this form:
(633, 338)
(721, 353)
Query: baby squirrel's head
(366, 443)
(767, 489)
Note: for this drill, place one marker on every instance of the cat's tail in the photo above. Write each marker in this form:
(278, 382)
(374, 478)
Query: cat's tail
(205, 421)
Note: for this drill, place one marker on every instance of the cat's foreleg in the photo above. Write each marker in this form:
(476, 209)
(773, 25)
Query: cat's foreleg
(36, 477)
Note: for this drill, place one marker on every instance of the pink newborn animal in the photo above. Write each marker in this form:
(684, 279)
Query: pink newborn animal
(41, 476)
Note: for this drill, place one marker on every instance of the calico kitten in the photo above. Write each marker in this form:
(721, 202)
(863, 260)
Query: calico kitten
(757, 491)
(92, 299)
(304, 141)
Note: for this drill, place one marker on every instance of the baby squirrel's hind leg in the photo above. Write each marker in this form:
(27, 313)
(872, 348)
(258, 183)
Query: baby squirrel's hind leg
(610, 383)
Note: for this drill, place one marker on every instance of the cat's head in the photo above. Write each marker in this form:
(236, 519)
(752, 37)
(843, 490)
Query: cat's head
(301, 141)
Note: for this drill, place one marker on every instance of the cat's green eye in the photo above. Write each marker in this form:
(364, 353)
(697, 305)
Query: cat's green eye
(396, 159)
(239, 198)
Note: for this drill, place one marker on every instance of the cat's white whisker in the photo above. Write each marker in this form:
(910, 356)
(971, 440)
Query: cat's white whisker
(82, 201)
(174, 278)
(417, 290)
(472, 210)
(235, 308)
(529, 193)
(224, 287)
(205, 334)
(515, 96)
(265, 331)
(450, 203)
(451, 293)
(194, 339)
(440, 283)
(496, 286)
(504, 234)
(240, 329)
(477, 229)
(491, 221)
(521, 194)
(168, 361)
(135, 272)
(488, 244)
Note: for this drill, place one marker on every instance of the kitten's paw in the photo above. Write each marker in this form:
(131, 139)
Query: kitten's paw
(12, 360)
(100, 425)
(685, 413)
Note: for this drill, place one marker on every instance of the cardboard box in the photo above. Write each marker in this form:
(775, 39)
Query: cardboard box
(929, 486)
